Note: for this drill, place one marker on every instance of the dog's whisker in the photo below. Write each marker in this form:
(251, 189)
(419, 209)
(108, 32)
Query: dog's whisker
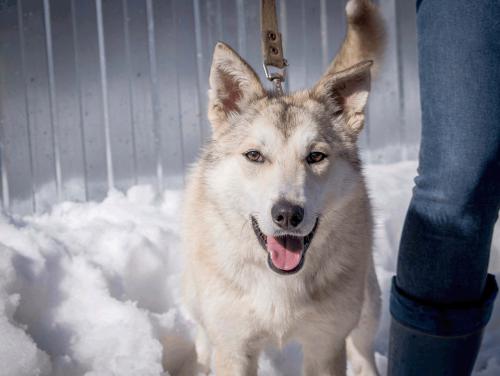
(246, 222)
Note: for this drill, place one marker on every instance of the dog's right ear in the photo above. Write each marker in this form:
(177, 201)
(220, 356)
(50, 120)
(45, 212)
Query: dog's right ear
(233, 84)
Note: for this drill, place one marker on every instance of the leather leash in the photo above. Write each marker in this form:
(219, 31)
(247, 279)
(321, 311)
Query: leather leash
(272, 46)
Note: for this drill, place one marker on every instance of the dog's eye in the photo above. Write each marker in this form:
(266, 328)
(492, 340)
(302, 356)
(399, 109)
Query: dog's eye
(254, 156)
(315, 157)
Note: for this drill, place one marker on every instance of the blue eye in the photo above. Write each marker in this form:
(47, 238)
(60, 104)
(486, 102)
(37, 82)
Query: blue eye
(315, 157)
(254, 156)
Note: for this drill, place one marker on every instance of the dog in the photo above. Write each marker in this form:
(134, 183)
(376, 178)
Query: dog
(277, 224)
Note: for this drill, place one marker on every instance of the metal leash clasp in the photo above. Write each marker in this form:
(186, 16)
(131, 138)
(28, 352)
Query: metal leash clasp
(277, 77)
(272, 46)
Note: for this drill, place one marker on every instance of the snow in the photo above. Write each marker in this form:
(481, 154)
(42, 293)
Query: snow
(93, 288)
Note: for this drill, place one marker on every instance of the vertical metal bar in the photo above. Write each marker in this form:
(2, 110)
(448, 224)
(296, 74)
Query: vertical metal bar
(198, 77)
(26, 104)
(52, 98)
(304, 40)
(154, 92)
(126, 35)
(4, 181)
(197, 29)
(220, 28)
(188, 83)
(80, 100)
(242, 33)
(283, 21)
(3, 170)
(409, 95)
(200, 105)
(399, 54)
(210, 22)
(104, 93)
(179, 108)
(199, 63)
(283, 25)
(324, 33)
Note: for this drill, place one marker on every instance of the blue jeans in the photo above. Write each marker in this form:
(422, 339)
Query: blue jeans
(442, 289)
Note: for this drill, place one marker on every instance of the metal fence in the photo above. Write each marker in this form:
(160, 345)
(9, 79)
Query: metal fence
(97, 94)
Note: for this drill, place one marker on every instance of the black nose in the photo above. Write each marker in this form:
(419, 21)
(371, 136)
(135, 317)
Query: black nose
(287, 215)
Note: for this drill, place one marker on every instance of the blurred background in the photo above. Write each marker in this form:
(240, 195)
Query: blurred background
(111, 93)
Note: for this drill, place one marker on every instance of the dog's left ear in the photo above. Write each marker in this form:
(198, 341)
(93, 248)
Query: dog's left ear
(233, 84)
(347, 91)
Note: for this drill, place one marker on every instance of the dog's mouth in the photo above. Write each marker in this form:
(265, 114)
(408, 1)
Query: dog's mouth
(285, 253)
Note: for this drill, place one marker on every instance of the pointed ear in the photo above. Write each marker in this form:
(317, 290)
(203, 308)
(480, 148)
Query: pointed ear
(233, 84)
(347, 91)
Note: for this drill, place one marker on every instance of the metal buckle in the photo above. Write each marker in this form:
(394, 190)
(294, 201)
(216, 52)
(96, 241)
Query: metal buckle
(277, 77)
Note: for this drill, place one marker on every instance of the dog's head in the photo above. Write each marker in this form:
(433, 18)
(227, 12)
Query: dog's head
(282, 163)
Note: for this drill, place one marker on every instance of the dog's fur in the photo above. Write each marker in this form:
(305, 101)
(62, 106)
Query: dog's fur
(331, 306)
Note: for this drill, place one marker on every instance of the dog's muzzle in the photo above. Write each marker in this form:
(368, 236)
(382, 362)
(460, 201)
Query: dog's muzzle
(285, 253)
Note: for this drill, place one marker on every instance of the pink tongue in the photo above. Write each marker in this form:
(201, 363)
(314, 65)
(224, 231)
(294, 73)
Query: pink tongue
(286, 252)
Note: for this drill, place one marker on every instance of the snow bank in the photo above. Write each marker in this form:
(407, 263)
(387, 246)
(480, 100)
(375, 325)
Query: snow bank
(88, 286)
(93, 288)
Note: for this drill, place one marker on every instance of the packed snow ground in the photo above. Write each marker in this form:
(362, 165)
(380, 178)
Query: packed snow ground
(93, 288)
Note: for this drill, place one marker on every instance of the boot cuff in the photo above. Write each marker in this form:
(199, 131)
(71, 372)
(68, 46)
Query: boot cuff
(443, 320)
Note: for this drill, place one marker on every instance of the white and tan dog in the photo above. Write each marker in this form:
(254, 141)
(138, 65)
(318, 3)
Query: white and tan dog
(277, 221)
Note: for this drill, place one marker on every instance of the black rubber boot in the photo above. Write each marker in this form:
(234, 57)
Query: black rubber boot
(414, 353)
(436, 340)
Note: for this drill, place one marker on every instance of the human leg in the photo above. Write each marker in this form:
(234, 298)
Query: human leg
(442, 296)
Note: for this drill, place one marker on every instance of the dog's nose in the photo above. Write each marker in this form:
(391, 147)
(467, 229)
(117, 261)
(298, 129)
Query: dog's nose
(287, 215)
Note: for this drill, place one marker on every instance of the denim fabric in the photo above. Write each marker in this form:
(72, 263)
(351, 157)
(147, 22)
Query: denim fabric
(442, 296)
(444, 250)
(444, 319)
